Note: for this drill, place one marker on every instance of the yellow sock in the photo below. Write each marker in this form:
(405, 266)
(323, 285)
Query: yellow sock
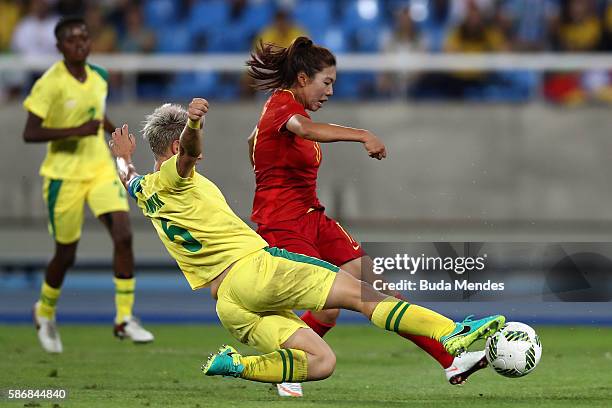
(124, 298)
(282, 365)
(396, 315)
(45, 307)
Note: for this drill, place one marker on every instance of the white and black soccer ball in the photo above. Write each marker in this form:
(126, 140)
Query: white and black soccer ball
(514, 351)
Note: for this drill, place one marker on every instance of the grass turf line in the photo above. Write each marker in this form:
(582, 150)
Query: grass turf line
(374, 369)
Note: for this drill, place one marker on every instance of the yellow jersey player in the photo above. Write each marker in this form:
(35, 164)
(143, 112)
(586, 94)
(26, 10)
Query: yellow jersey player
(256, 286)
(66, 108)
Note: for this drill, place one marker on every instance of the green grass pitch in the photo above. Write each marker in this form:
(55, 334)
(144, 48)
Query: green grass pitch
(374, 369)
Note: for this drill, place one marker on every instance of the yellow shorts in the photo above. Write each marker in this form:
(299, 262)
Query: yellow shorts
(66, 201)
(256, 298)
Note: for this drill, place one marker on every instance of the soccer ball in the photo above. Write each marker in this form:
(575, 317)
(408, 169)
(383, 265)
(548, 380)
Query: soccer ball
(514, 351)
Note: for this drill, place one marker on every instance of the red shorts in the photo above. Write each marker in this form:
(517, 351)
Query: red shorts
(313, 234)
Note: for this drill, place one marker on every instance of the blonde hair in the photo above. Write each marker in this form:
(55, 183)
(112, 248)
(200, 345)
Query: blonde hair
(164, 126)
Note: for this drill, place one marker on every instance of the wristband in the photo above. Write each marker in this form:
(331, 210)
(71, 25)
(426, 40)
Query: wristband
(194, 124)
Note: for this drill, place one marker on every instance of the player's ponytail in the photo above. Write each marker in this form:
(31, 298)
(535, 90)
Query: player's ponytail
(275, 67)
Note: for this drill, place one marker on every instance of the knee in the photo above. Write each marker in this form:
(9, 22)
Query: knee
(323, 365)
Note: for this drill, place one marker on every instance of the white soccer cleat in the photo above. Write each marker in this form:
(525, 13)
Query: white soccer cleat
(47, 334)
(131, 329)
(465, 365)
(290, 389)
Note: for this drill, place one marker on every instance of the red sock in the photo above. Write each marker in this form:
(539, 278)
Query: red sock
(432, 347)
(319, 327)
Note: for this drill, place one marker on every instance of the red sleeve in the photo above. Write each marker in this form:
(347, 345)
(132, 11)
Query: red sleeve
(282, 108)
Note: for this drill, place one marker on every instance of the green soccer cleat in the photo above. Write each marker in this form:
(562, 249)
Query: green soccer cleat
(226, 363)
(468, 331)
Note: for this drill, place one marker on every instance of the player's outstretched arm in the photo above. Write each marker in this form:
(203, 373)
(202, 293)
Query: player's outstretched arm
(122, 146)
(34, 131)
(327, 133)
(190, 143)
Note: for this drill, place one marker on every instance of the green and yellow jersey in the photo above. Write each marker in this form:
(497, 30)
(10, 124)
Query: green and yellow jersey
(195, 223)
(62, 101)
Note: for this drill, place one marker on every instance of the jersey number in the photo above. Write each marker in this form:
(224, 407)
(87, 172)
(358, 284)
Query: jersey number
(172, 231)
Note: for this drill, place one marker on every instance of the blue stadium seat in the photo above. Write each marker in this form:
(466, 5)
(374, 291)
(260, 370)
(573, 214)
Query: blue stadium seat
(174, 40)
(332, 38)
(354, 85)
(362, 13)
(257, 15)
(208, 15)
(314, 15)
(238, 39)
(362, 23)
(187, 85)
(158, 13)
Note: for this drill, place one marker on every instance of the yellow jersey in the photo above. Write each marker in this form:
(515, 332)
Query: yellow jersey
(62, 101)
(194, 222)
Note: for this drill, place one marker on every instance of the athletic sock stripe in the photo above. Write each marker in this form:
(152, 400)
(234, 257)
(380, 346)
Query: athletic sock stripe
(399, 317)
(390, 316)
(290, 354)
(48, 301)
(124, 292)
(284, 364)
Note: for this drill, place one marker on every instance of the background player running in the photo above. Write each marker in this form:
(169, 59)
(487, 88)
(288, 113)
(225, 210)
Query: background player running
(256, 286)
(66, 108)
(285, 154)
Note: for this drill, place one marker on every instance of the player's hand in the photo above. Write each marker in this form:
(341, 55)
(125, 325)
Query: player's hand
(197, 110)
(374, 146)
(122, 143)
(89, 128)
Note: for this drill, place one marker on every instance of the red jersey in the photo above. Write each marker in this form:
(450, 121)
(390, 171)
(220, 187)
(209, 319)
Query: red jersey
(286, 165)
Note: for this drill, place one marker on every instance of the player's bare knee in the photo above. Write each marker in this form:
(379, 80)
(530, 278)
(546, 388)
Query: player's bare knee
(327, 364)
(321, 365)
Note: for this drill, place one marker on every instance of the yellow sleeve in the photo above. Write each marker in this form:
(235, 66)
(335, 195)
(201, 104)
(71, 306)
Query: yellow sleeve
(41, 98)
(169, 177)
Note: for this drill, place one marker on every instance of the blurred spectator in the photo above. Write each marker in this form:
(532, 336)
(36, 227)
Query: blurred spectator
(435, 27)
(460, 9)
(528, 23)
(281, 32)
(607, 23)
(103, 35)
(137, 38)
(34, 34)
(403, 41)
(9, 16)
(579, 30)
(473, 35)
(116, 10)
